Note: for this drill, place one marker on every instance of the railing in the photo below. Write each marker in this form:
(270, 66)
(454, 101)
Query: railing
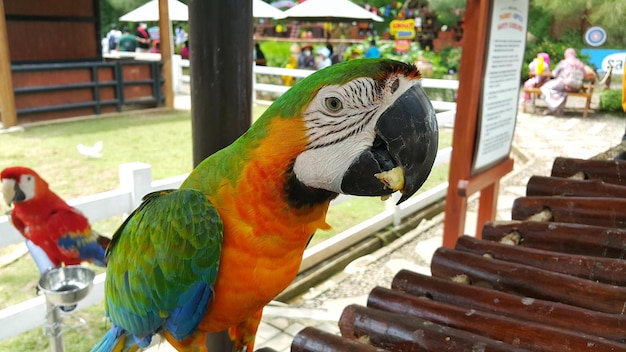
(99, 86)
(180, 79)
(136, 181)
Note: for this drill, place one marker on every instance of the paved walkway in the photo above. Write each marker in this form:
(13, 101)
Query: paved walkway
(538, 141)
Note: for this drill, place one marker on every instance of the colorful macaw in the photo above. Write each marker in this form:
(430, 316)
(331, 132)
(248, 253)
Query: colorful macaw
(48, 221)
(209, 256)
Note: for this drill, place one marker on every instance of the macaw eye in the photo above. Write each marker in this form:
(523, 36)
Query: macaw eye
(333, 104)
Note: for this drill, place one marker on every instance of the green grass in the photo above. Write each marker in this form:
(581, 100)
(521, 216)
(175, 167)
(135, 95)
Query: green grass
(158, 137)
(51, 149)
(79, 339)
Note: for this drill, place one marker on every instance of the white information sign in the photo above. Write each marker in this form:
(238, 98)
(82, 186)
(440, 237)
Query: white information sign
(501, 83)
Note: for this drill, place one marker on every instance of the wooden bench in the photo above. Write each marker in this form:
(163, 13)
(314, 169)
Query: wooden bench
(585, 92)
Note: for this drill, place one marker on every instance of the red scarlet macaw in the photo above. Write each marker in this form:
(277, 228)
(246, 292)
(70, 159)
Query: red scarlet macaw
(209, 256)
(42, 217)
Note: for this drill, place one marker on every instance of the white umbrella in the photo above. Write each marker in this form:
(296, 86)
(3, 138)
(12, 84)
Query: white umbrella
(329, 10)
(149, 12)
(261, 9)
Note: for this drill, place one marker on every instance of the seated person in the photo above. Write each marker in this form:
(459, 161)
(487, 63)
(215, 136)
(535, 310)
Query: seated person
(539, 70)
(568, 77)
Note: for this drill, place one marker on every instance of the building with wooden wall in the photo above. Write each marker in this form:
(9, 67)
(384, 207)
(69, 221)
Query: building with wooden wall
(54, 56)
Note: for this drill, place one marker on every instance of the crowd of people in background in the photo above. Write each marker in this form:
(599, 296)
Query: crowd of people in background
(142, 40)
(306, 58)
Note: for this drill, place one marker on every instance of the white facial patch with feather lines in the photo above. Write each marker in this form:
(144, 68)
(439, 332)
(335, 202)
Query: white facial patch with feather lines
(341, 123)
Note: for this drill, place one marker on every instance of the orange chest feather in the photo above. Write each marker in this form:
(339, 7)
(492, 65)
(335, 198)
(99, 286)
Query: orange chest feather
(264, 237)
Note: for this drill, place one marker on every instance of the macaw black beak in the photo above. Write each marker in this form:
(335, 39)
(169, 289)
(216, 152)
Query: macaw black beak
(19, 195)
(406, 137)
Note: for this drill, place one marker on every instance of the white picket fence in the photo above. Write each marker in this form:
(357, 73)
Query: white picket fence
(181, 79)
(136, 181)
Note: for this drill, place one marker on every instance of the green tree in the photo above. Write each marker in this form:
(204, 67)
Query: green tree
(608, 14)
(447, 11)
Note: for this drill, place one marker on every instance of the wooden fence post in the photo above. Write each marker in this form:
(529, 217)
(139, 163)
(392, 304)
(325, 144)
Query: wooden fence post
(137, 178)
(8, 114)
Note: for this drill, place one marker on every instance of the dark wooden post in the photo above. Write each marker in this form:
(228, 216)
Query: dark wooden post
(220, 47)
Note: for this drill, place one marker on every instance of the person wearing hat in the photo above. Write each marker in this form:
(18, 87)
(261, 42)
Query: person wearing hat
(306, 60)
(323, 58)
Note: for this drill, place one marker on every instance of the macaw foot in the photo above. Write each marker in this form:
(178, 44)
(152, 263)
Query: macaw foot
(194, 343)
(243, 334)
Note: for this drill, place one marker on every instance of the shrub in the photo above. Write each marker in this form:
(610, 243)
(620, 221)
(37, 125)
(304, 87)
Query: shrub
(611, 100)
(450, 59)
(276, 53)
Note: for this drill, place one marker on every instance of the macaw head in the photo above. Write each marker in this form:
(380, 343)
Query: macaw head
(21, 184)
(370, 128)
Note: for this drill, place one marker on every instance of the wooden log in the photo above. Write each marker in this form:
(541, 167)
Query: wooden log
(606, 270)
(560, 237)
(609, 171)
(557, 186)
(608, 212)
(519, 333)
(313, 340)
(568, 317)
(529, 281)
(400, 332)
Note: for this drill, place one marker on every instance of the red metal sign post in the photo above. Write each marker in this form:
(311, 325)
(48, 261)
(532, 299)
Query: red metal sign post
(493, 46)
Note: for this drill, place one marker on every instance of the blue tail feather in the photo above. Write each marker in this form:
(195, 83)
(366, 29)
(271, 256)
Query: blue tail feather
(117, 340)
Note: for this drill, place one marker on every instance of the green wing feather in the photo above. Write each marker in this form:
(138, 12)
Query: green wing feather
(163, 262)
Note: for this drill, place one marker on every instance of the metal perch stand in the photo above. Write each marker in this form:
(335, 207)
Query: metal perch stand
(63, 287)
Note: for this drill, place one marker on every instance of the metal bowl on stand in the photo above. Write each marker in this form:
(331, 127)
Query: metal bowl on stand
(66, 286)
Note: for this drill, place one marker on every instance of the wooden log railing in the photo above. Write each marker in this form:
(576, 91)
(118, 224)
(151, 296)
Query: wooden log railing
(529, 281)
(400, 332)
(560, 237)
(599, 211)
(606, 270)
(314, 340)
(610, 171)
(610, 326)
(557, 186)
(523, 334)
